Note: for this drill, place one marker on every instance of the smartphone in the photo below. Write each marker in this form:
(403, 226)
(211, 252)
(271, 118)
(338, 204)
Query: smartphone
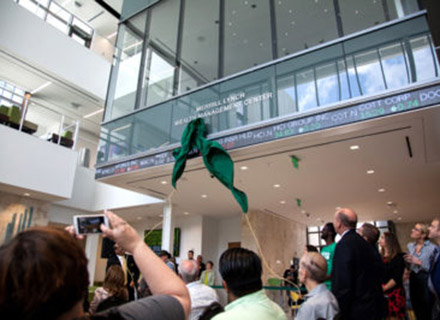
(86, 224)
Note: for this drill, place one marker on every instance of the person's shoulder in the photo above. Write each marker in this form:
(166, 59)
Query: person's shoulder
(157, 307)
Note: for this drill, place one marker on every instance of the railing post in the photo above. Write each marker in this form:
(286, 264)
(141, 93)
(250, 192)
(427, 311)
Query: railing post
(60, 131)
(75, 135)
(26, 98)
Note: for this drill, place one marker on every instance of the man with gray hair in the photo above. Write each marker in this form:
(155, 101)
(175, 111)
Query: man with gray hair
(201, 295)
(319, 302)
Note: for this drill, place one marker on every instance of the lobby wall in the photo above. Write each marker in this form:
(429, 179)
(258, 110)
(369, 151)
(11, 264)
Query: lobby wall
(11, 204)
(280, 239)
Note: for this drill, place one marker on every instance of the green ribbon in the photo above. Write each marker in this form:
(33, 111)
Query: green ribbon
(216, 159)
(298, 202)
(295, 161)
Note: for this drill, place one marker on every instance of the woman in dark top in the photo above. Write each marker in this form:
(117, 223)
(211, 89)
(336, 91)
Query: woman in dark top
(394, 268)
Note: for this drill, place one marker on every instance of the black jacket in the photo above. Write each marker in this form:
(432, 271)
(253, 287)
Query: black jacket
(357, 275)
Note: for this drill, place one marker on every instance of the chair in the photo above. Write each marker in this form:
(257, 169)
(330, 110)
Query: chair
(4, 118)
(14, 116)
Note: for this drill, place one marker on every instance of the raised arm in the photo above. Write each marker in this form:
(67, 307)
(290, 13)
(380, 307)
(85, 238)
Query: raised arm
(161, 280)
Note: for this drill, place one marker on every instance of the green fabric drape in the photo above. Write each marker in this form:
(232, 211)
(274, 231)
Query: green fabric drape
(216, 159)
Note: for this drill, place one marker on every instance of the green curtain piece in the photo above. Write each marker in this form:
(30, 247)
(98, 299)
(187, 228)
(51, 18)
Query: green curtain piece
(216, 159)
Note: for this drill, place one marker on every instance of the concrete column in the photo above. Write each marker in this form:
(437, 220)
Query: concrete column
(167, 228)
(92, 242)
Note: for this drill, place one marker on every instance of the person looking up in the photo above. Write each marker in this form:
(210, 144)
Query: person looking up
(328, 234)
(418, 258)
(208, 276)
(241, 272)
(319, 302)
(201, 295)
(370, 233)
(394, 268)
(357, 271)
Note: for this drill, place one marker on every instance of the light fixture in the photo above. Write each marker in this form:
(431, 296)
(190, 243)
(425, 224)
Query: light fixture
(396, 211)
(381, 190)
(303, 211)
(93, 113)
(204, 196)
(354, 147)
(112, 35)
(283, 202)
(370, 171)
(244, 168)
(163, 182)
(161, 216)
(48, 83)
(399, 218)
(27, 194)
(139, 218)
(186, 213)
(390, 203)
(276, 185)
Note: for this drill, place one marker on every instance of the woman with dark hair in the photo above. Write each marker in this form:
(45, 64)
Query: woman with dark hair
(394, 268)
(113, 291)
(418, 258)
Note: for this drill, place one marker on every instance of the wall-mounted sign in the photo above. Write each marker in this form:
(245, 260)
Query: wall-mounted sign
(390, 105)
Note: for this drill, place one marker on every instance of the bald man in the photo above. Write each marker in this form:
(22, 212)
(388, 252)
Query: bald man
(357, 271)
(201, 295)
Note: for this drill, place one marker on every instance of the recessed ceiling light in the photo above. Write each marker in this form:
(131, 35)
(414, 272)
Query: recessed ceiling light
(389, 203)
(337, 208)
(27, 194)
(381, 190)
(354, 147)
(204, 196)
(244, 168)
(139, 218)
(370, 171)
(396, 211)
(161, 216)
(276, 185)
(399, 218)
(186, 213)
(303, 211)
(163, 182)
(283, 202)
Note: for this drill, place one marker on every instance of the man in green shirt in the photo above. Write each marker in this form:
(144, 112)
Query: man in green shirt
(328, 234)
(241, 272)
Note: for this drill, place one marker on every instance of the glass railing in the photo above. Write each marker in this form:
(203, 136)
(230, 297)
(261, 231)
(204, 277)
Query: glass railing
(376, 61)
(80, 31)
(19, 112)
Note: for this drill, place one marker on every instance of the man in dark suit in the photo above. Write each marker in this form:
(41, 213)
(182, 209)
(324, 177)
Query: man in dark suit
(434, 270)
(357, 272)
(129, 266)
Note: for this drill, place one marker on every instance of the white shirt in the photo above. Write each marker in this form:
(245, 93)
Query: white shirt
(318, 303)
(201, 297)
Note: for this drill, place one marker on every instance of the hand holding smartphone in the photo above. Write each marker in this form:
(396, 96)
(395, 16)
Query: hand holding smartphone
(89, 224)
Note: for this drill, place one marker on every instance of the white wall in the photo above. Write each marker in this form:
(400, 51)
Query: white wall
(91, 195)
(30, 163)
(29, 38)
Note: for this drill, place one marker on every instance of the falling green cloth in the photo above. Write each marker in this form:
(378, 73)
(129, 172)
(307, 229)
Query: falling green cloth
(216, 159)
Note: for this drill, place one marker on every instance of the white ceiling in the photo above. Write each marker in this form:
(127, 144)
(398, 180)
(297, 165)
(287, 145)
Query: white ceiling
(329, 175)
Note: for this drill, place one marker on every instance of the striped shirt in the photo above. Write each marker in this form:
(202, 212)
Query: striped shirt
(424, 255)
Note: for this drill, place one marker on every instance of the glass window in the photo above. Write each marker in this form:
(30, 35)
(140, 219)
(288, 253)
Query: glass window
(327, 83)
(160, 63)
(247, 35)
(425, 62)
(360, 15)
(394, 66)
(305, 81)
(286, 95)
(58, 17)
(125, 72)
(200, 36)
(294, 30)
(369, 72)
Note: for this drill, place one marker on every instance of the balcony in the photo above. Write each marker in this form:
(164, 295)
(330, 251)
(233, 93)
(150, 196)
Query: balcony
(355, 78)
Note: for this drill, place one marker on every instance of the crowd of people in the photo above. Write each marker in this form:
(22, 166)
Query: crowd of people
(43, 275)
